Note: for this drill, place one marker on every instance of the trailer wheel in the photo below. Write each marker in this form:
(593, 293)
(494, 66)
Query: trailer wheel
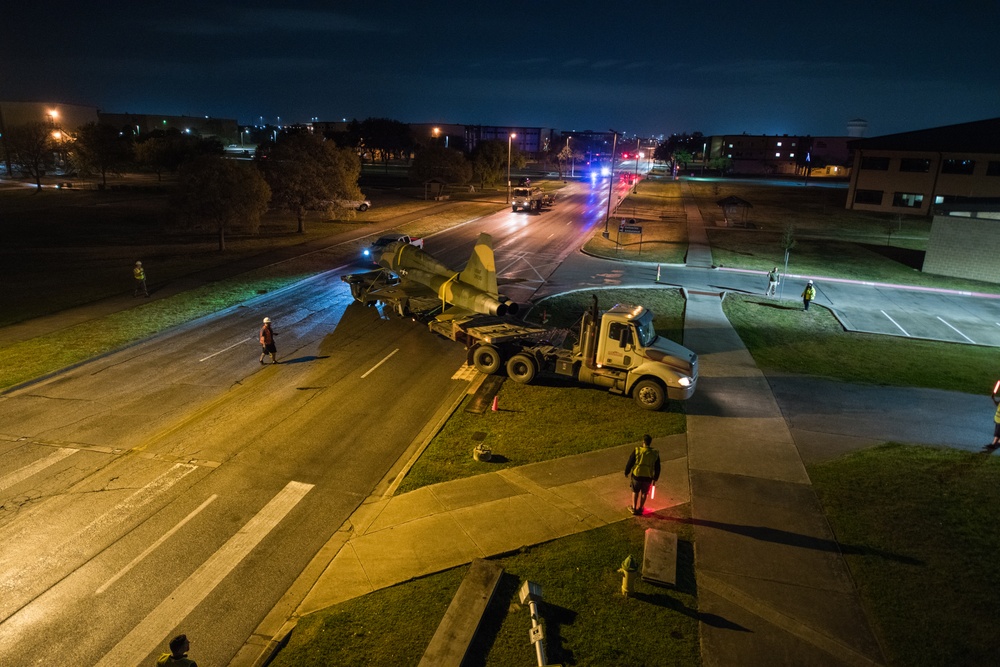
(486, 359)
(521, 368)
(649, 394)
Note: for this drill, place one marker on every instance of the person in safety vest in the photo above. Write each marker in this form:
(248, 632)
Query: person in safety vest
(179, 646)
(267, 342)
(808, 294)
(139, 274)
(643, 469)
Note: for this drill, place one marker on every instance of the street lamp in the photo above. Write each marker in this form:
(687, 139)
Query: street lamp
(611, 182)
(635, 177)
(509, 139)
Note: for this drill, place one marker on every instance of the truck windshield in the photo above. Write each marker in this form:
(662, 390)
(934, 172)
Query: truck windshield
(645, 329)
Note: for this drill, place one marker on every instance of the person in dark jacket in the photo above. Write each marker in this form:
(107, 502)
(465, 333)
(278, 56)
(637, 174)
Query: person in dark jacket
(179, 646)
(642, 469)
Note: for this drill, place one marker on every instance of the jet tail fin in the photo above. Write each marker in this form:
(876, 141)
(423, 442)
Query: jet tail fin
(481, 271)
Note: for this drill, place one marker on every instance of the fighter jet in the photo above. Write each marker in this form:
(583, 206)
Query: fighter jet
(422, 277)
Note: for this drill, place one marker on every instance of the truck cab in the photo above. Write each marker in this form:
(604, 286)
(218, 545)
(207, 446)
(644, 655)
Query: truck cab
(629, 357)
(526, 198)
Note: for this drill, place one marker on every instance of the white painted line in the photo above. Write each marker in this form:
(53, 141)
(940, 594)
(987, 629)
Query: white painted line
(33, 468)
(895, 322)
(957, 331)
(372, 369)
(153, 629)
(117, 514)
(163, 538)
(227, 349)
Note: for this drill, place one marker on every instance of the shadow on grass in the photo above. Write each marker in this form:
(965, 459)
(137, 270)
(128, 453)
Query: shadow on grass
(778, 536)
(778, 305)
(905, 256)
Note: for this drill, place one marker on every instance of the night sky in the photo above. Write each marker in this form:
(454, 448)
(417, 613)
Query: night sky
(716, 66)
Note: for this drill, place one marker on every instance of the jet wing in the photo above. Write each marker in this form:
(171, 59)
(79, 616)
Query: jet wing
(416, 297)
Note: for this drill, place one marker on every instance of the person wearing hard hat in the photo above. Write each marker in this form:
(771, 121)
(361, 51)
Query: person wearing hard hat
(139, 274)
(267, 342)
(808, 294)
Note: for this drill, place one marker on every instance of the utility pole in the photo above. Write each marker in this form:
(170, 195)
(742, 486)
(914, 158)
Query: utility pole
(611, 183)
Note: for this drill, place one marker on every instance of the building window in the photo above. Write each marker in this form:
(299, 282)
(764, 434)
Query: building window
(868, 197)
(791, 155)
(777, 155)
(875, 163)
(993, 168)
(964, 167)
(907, 200)
(916, 165)
(779, 144)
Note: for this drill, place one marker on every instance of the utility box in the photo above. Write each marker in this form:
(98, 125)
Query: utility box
(659, 558)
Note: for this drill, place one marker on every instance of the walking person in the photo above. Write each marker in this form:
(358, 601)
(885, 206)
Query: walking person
(996, 422)
(267, 342)
(808, 294)
(772, 282)
(179, 647)
(642, 469)
(139, 274)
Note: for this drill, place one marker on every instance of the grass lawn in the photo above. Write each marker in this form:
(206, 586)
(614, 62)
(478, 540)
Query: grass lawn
(781, 337)
(659, 209)
(587, 621)
(919, 531)
(551, 417)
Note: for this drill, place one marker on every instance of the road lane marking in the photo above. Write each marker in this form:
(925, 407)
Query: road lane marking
(33, 468)
(226, 349)
(896, 323)
(153, 629)
(372, 369)
(957, 331)
(163, 538)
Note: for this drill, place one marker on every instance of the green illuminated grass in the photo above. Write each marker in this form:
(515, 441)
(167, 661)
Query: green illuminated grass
(659, 209)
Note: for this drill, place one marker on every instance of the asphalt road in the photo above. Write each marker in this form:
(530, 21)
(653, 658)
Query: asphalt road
(179, 486)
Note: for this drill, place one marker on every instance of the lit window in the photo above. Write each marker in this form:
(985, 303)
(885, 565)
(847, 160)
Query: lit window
(730, 145)
(791, 155)
(777, 155)
(779, 144)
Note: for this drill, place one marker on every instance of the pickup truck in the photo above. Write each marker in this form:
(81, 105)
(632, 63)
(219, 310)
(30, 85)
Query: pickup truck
(371, 252)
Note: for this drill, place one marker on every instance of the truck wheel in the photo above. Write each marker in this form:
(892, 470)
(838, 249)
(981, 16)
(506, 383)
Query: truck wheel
(521, 368)
(486, 359)
(363, 208)
(649, 394)
(513, 209)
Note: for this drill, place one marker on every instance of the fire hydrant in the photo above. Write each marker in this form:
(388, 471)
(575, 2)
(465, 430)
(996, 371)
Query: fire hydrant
(628, 570)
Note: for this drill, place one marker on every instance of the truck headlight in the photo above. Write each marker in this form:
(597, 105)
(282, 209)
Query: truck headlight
(684, 381)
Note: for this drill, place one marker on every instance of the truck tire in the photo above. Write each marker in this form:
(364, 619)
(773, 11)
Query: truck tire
(649, 394)
(513, 209)
(486, 359)
(521, 368)
(363, 208)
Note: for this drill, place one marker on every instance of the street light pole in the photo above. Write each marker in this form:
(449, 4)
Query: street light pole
(635, 177)
(611, 183)
(510, 138)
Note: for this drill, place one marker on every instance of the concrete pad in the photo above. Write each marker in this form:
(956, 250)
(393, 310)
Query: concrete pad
(545, 495)
(659, 557)
(363, 517)
(731, 635)
(604, 497)
(504, 525)
(819, 447)
(344, 579)
(808, 613)
(753, 447)
(473, 490)
(401, 509)
(567, 469)
(728, 396)
(413, 549)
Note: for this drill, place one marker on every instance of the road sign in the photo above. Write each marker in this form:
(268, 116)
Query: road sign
(630, 229)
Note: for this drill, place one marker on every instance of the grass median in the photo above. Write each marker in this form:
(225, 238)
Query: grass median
(587, 621)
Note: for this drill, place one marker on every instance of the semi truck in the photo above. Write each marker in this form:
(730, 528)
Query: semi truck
(618, 349)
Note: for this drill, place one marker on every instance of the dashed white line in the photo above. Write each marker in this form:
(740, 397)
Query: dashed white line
(226, 349)
(33, 468)
(163, 538)
(182, 601)
(372, 369)
(896, 323)
(957, 331)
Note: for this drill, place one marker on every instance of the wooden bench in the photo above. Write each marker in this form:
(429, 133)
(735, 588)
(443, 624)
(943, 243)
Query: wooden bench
(461, 620)
(659, 558)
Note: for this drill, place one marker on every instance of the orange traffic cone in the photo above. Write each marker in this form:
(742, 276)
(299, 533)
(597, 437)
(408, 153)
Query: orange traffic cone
(496, 399)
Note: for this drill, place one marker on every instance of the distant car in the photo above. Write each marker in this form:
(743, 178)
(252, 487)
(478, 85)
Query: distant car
(371, 253)
(356, 204)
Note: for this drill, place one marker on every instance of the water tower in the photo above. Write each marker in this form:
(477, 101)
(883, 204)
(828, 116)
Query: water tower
(857, 127)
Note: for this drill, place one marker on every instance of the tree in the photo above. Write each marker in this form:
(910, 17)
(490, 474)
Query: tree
(442, 163)
(682, 157)
(387, 138)
(101, 149)
(306, 172)
(167, 151)
(489, 161)
(222, 194)
(32, 149)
